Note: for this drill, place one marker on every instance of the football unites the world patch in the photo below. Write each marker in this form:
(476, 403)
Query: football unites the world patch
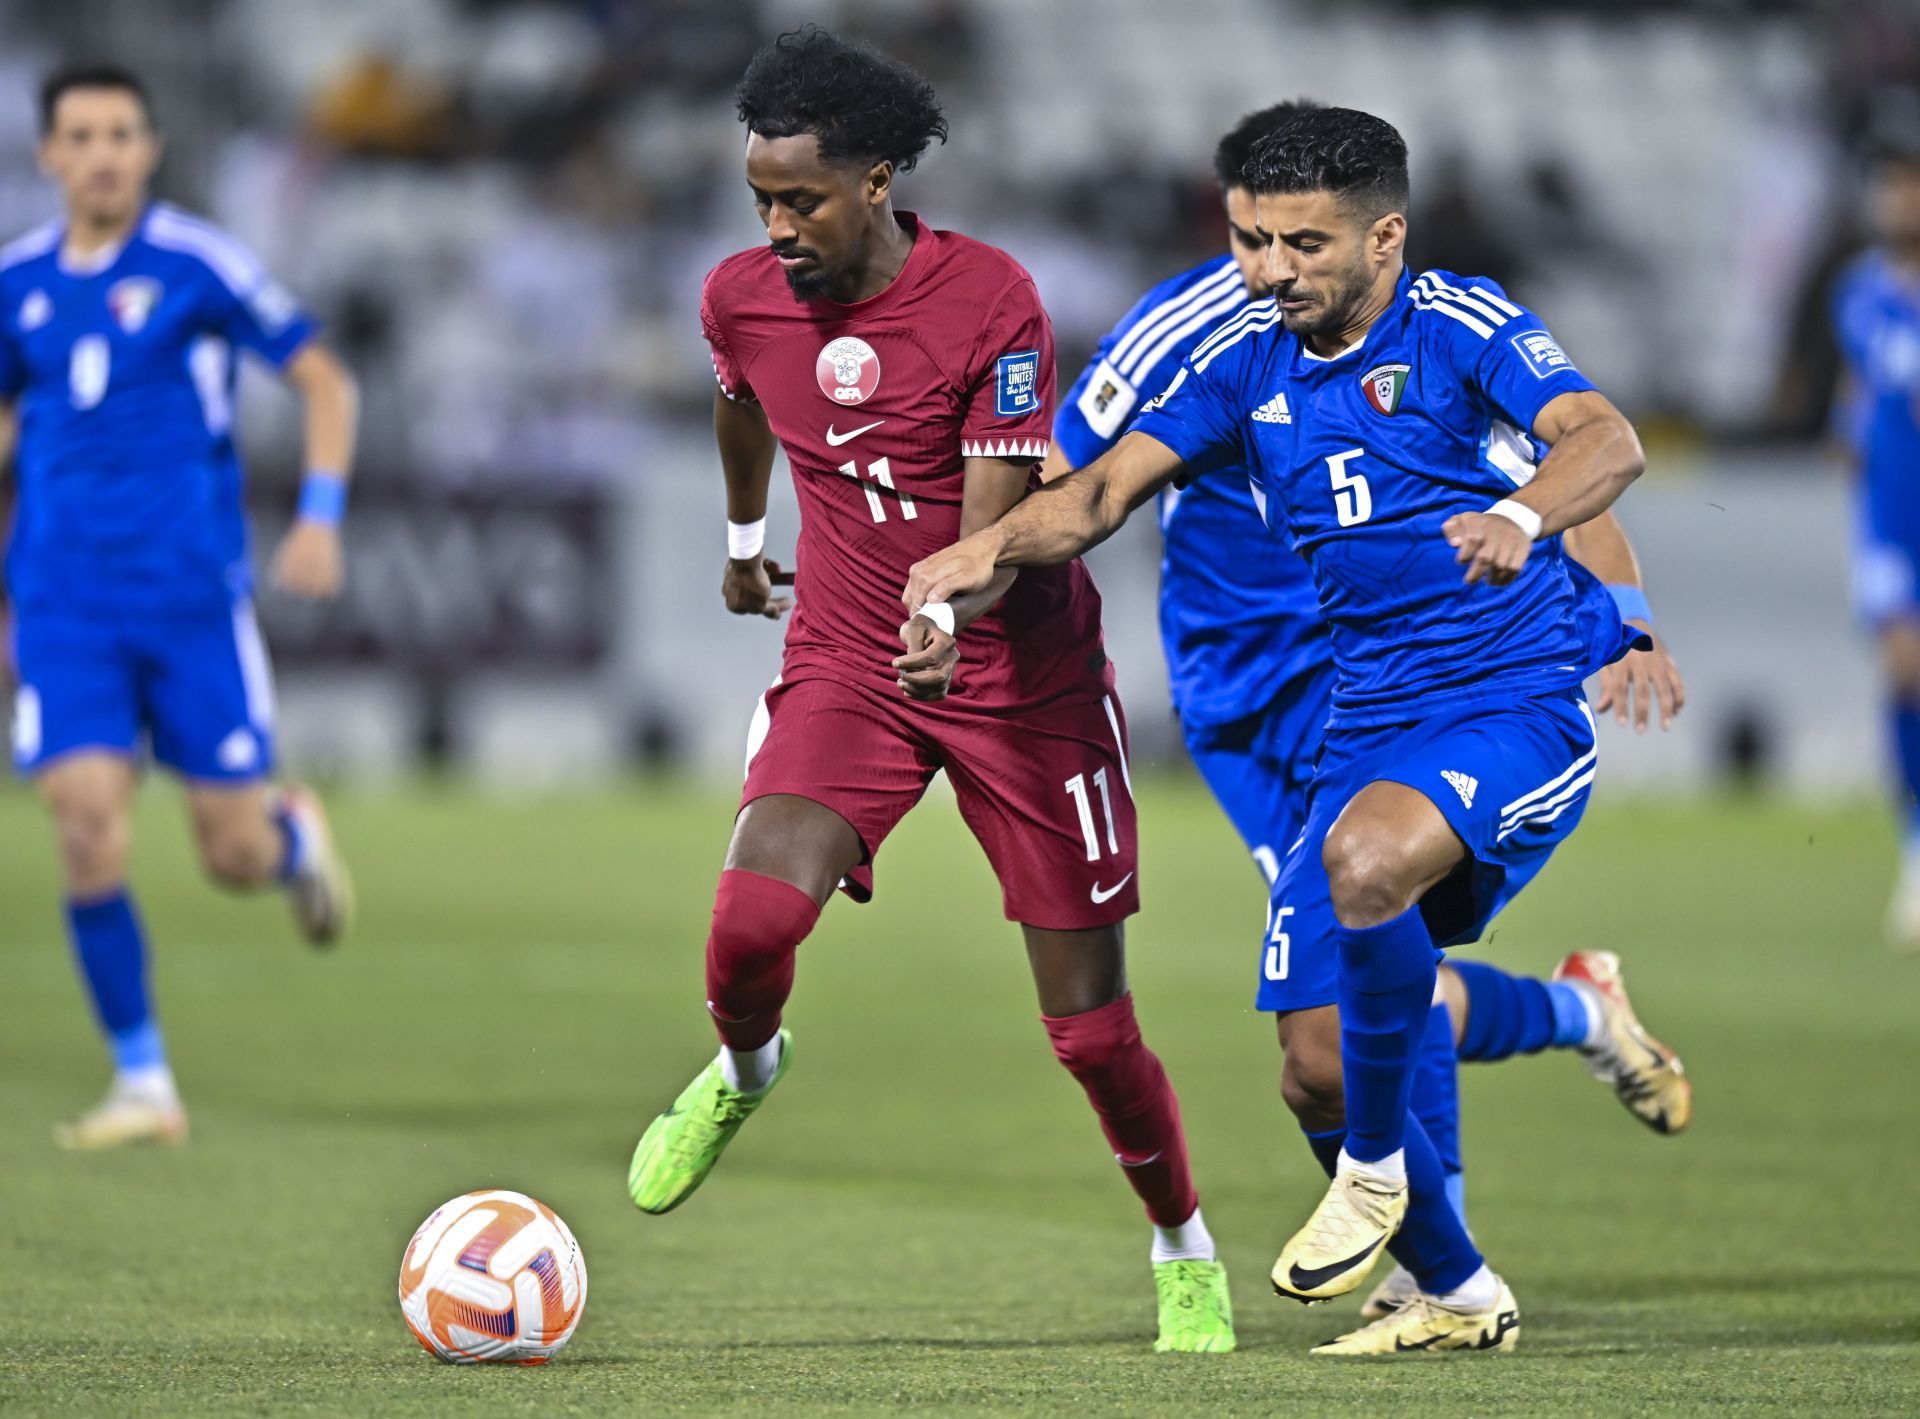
(1542, 353)
(848, 370)
(1384, 384)
(1016, 383)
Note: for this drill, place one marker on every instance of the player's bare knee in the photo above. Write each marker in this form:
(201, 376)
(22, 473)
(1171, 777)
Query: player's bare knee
(1367, 875)
(1310, 1083)
(239, 860)
(95, 835)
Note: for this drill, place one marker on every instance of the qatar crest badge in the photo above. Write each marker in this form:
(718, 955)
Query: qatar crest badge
(848, 370)
(132, 301)
(1384, 384)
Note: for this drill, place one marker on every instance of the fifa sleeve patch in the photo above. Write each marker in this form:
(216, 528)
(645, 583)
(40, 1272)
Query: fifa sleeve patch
(1016, 383)
(1107, 400)
(1542, 353)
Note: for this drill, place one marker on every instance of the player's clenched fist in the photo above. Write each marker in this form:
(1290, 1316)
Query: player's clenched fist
(926, 670)
(309, 561)
(747, 588)
(965, 567)
(1492, 548)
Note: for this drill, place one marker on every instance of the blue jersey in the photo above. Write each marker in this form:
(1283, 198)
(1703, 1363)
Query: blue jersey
(123, 379)
(1362, 456)
(1877, 319)
(1238, 617)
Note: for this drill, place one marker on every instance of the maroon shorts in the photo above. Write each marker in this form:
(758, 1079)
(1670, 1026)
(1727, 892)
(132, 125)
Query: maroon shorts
(1045, 793)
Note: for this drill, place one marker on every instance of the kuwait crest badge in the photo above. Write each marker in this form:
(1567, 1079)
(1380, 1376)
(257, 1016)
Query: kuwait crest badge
(1384, 385)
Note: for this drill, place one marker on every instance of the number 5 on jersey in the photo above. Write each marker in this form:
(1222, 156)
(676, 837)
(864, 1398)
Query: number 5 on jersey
(1352, 498)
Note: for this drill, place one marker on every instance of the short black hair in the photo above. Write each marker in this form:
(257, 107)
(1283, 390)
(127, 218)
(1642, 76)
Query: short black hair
(1359, 158)
(89, 76)
(861, 105)
(1232, 152)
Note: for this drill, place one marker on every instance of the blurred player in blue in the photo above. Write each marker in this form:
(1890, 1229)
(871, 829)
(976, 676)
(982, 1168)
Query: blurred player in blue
(1877, 318)
(133, 625)
(1251, 668)
(1395, 427)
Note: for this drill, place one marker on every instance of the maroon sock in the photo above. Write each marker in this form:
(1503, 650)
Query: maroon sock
(758, 923)
(1138, 1111)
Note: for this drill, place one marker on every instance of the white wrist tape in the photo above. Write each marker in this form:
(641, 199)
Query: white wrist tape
(1521, 516)
(745, 539)
(940, 613)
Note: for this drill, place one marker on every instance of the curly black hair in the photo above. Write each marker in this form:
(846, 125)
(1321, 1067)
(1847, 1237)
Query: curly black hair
(1231, 155)
(1359, 158)
(60, 82)
(861, 105)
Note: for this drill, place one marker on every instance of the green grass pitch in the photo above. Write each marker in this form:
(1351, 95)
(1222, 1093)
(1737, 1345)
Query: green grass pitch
(926, 1218)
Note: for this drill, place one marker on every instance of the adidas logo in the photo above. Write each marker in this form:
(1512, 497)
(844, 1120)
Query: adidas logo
(1463, 784)
(1274, 411)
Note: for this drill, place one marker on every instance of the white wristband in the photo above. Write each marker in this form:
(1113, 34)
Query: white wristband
(745, 539)
(1521, 516)
(940, 613)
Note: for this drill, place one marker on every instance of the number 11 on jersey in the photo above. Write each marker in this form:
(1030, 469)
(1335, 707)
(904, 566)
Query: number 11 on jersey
(882, 473)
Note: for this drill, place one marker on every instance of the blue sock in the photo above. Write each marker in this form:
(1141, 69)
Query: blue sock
(1509, 1015)
(1436, 1094)
(1457, 1195)
(1432, 1243)
(293, 853)
(1906, 742)
(1386, 995)
(113, 961)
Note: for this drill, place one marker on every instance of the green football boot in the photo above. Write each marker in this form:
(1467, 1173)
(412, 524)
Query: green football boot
(1196, 1313)
(681, 1146)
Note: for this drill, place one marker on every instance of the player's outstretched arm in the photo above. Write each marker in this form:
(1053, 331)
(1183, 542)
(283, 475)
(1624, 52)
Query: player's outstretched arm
(310, 561)
(746, 443)
(1641, 679)
(1593, 454)
(1053, 525)
(989, 487)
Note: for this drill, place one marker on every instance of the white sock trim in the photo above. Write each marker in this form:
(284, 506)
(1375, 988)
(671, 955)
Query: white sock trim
(1596, 1013)
(1190, 1241)
(1391, 1171)
(152, 1082)
(750, 1071)
(1478, 1292)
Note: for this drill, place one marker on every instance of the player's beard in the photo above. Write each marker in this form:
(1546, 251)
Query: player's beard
(808, 285)
(1342, 297)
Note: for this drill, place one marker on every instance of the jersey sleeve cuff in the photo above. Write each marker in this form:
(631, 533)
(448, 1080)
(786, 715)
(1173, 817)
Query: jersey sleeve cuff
(1015, 447)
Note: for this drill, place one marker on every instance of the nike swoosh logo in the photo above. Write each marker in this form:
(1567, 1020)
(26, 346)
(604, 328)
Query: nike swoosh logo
(1106, 894)
(1312, 1278)
(1427, 1344)
(835, 440)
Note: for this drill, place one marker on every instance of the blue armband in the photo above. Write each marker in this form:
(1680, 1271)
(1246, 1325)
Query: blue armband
(323, 497)
(1632, 602)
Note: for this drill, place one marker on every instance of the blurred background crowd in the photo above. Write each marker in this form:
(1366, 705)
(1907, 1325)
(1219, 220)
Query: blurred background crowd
(503, 209)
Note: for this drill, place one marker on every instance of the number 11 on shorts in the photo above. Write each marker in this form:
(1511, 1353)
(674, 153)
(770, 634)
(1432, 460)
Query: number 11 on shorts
(1077, 787)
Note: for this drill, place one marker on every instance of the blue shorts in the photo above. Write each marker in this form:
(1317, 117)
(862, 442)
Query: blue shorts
(1259, 768)
(1511, 777)
(198, 688)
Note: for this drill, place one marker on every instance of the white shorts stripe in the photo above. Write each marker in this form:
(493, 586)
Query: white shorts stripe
(1119, 742)
(1559, 803)
(256, 672)
(1575, 767)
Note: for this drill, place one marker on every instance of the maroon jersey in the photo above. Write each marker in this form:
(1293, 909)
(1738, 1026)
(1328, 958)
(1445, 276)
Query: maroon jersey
(877, 405)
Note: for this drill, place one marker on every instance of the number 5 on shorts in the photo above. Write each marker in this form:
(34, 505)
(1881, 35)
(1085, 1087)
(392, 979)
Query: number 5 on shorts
(1279, 946)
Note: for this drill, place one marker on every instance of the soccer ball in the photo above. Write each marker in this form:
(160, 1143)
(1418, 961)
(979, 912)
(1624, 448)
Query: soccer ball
(493, 1277)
